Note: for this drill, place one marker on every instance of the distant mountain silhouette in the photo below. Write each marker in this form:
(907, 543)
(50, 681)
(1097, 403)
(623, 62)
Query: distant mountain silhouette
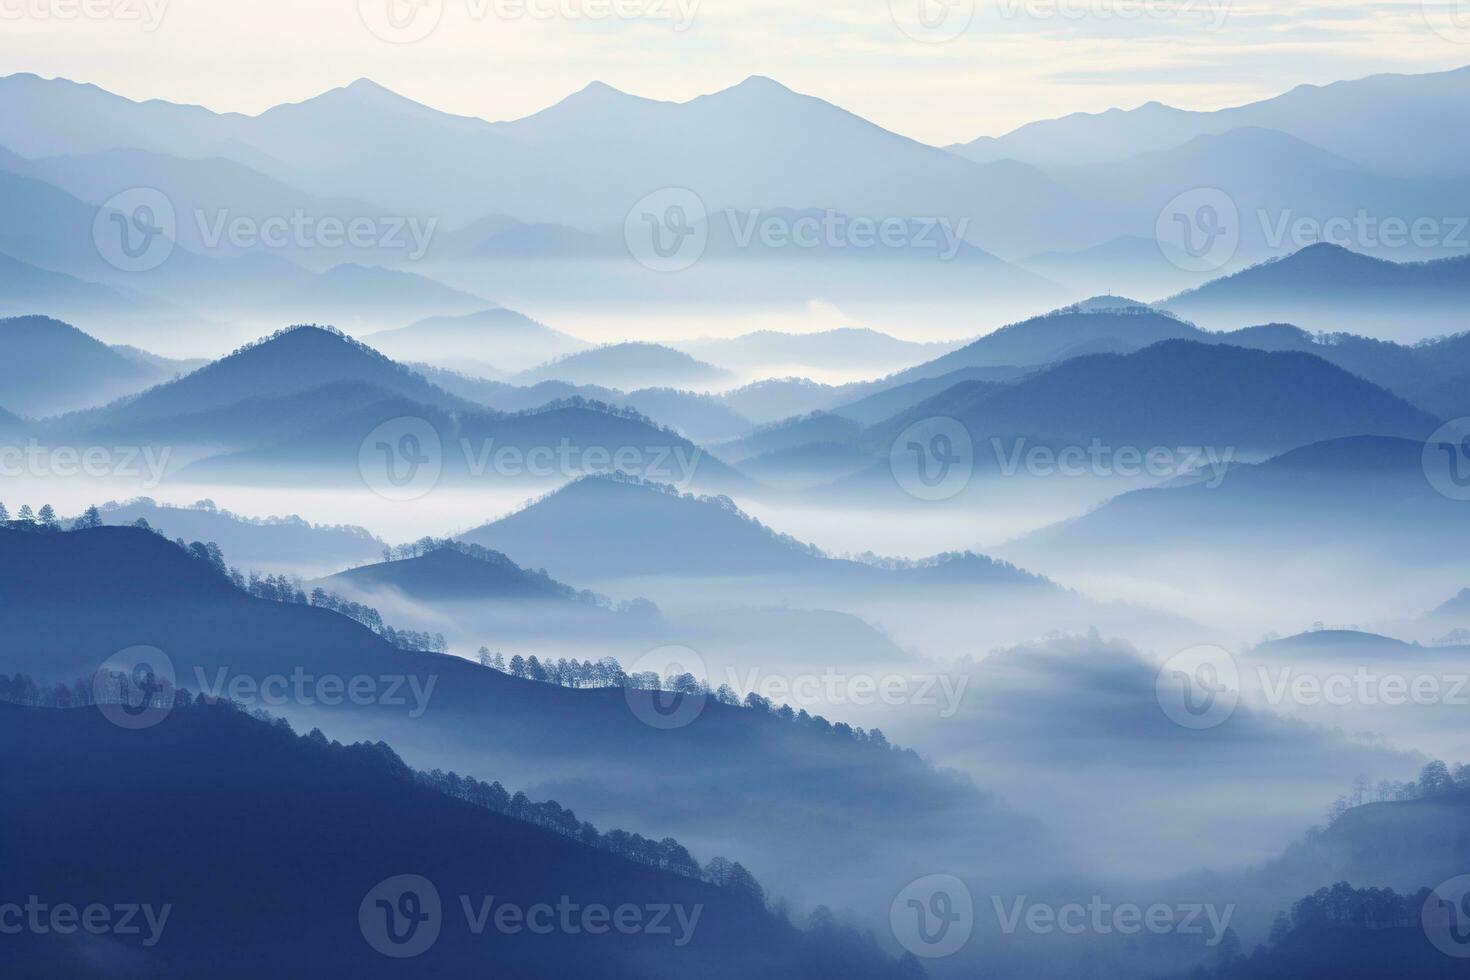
(699, 417)
(757, 144)
(702, 417)
(52, 367)
(552, 443)
(846, 348)
(888, 402)
(628, 366)
(1374, 121)
(271, 544)
(1331, 288)
(373, 297)
(28, 288)
(819, 428)
(290, 362)
(1286, 505)
(447, 573)
(600, 528)
(503, 338)
(1456, 609)
(780, 398)
(1058, 335)
(1177, 393)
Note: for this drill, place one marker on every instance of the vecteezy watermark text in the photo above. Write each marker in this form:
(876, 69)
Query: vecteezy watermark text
(146, 13)
(41, 918)
(411, 236)
(834, 688)
(328, 690)
(403, 916)
(144, 463)
(403, 459)
(670, 230)
(1102, 460)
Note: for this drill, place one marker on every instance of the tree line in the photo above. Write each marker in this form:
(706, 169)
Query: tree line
(609, 673)
(1435, 779)
(666, 854)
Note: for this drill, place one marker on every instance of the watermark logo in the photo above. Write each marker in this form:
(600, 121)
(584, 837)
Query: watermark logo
(933, 917)
(402, 459)
(1447, 460)
(401, 917)
(1446, 917)
(1199, 688)
(1450, 19)
(668, 688)
(135, 230)
(134, 688)
(932, 21)
(934, 459)
(1199, 231)
(667, 231)
(401, 21)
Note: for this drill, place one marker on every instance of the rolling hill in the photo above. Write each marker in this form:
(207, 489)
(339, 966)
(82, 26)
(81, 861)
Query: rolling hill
(504, 339)
(1327, 287)
(76, 598)
(1176, 393)
(629, 366)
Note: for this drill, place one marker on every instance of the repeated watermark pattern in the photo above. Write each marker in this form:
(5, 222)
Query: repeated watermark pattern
(134, 688)
(136, 230)
(835, 688)
(1447, 460)
(680, 697)
(147, 14)
(146, 464)
(411, 21)
(1446, 917)
(404, 916)
(670, 230)
(41, 918)
(933, 460)
(1199, 231)
(1199, 688)
(409, 236)
(403, 460)
(936, 915)
(302, 689)
(1450, 19)
(1210, 14)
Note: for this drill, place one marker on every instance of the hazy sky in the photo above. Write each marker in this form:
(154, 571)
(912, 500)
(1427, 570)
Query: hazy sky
(968, 68)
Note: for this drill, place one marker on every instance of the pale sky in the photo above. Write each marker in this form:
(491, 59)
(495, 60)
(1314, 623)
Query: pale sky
(981, 67)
